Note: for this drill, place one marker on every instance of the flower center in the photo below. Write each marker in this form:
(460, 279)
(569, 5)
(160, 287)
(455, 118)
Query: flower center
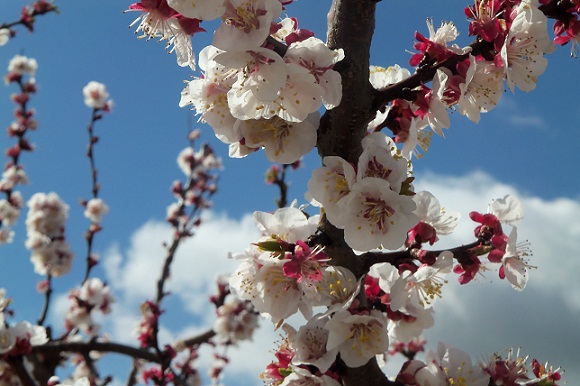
(244, 16)
(377, 212)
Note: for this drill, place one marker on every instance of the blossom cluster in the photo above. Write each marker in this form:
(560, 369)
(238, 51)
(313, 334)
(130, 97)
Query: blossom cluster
(281, 274)
(236, 319)
(263, 81)
(500, 248)
(45, 226)
(287, 271)
(372, 203)
(21, 71)
(200, 184)
(449, 365)
(27, 19)
(511, 41)
(15, 340)
(93, 295)
(262, 84)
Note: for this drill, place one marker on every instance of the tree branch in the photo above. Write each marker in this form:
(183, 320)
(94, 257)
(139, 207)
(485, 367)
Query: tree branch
(56, 347)
(199, 339)
(17, 364)
(371, 258)
(351, 26)
(47, 295)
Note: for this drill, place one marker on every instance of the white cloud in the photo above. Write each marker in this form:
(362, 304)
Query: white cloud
(133, 275)
(527, 120)
(482, 317)
(518, 116)
(489, 316)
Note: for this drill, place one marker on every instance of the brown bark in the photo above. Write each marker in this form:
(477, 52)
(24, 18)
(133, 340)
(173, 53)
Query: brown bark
(351, 25)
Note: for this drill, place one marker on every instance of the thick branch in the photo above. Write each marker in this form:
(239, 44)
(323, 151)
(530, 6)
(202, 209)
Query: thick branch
(351, 25)
(56, 347)
(17, 365)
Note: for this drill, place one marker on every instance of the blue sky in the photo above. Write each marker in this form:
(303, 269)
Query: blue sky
(526, 146)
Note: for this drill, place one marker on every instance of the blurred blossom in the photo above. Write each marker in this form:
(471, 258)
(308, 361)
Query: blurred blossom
(96, 95)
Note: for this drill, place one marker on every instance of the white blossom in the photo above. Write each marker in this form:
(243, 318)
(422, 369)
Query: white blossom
(95, 209)
(454, 367)
(508, 210)
(377, 216)
(318, 59)
(21, 65)
(381, 77)
(284, 142)
(310, 345)
(358, 337)
(422, 287)
(289, 224)
(45, 224)
(329, 185)
(246, 24)
(236, 321)
(202, 10)
(96, 95)
(4, 36)
(482, 89)
(514, 266)
(430, 211)
(525, 46)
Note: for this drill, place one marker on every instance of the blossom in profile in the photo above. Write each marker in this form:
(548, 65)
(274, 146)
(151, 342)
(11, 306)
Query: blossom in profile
(514, 267)
(5, 35)
(433, 219)
(316, 57)
(329, 185)
(159, 21)
(525, 46)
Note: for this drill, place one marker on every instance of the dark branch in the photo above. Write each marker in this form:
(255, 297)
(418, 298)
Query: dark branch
(56, 347)
(47, 295)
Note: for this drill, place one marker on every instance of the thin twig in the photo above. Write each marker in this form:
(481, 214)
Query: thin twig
(95, 187)
(47, 295)
(280, 181)
(132, 378)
